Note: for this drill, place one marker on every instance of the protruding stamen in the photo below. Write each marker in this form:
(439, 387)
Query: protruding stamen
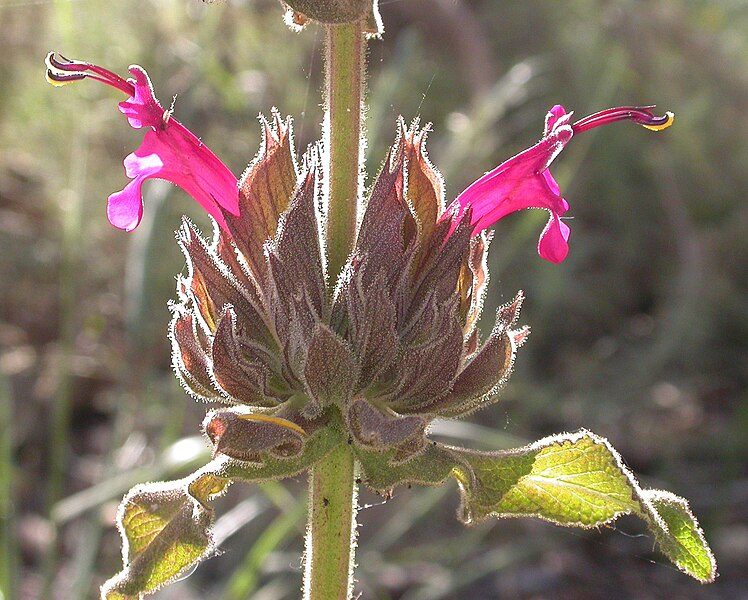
(58, 79)
(61, 71)
(638, 114)
(58, 74)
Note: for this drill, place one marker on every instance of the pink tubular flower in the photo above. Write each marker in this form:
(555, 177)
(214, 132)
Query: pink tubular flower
(524, 180)
(169, 150)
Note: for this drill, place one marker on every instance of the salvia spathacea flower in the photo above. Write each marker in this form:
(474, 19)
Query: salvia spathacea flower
(169, 150)
(525, 181)
(391, 341)
(298, 360)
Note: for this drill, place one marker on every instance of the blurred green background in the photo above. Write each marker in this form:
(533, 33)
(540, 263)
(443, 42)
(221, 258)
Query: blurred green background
(641, 335)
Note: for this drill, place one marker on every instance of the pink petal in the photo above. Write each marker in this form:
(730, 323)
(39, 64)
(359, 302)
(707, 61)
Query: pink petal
(521, 182)
(524, 180)
(145, 166)
(125, 208)
(142, 110)
(553, 244)
(169, 150)
(556, 114)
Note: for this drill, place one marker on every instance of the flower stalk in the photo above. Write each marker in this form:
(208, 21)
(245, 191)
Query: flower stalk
(333, 492)
(331, 530)
(344, 81)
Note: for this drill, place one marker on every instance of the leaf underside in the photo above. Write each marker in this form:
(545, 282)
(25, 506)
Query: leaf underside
(165, 531)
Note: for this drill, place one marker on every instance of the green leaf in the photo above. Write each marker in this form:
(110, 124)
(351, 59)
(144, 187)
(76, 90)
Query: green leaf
(681, 538)
(165, 531)
(432, 467)
(578, 480)
(574, 480)
(166, 527)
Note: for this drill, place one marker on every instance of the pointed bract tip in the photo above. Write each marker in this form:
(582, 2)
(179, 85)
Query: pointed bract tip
(520, 336)
(508, 313)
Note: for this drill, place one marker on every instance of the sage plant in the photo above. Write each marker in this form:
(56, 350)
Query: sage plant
(328, 327)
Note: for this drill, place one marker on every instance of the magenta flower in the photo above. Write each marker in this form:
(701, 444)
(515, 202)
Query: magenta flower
(169, 150)
(524, 180)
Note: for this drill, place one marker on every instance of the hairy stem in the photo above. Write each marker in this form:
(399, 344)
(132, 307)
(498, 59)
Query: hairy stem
(344, 80)
(333, 492)
(331, 530)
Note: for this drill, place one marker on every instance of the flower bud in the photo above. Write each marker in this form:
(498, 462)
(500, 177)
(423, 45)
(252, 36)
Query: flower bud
(334, 12)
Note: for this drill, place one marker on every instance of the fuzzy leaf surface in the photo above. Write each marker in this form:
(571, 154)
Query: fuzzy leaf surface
(579, 480)
(380, 242)
(265, 192)
(167, 527)
(242, 379)
(682, 540)
(165, 531)
(250, 437)
(567, 481)
(330, 370)
(432, 467)
(425, 185)
(574, 480)
(213, 287)
(295, 254)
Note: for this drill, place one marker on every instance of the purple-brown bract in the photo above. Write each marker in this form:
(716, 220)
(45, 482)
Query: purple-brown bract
(388, 345)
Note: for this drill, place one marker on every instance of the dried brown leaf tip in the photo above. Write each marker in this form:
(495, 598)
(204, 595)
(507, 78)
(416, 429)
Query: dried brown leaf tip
(382, 351)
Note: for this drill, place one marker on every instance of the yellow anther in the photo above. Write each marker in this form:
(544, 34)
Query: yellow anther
(60, 82)
(670, 118)
(57, 77)
(276, 420)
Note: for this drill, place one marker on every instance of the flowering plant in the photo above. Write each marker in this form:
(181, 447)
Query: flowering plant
(329, 342)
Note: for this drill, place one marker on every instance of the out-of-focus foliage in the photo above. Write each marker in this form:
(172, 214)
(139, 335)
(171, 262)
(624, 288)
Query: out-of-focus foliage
(641, 335)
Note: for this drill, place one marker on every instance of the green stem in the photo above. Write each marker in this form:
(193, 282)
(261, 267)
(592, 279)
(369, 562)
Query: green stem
(331, 531)
(9, 565)
(333, 492)
(344, 80)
